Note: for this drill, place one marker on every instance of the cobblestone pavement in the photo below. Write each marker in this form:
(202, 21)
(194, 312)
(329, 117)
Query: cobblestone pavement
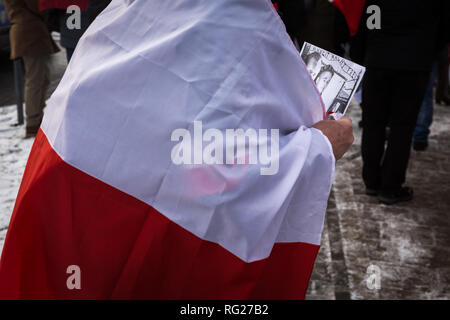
(408, 242)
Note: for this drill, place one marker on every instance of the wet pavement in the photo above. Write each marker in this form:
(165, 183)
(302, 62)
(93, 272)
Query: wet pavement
(374, 251)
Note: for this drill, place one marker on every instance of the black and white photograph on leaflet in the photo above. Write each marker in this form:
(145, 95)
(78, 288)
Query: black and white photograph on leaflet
(336, 78)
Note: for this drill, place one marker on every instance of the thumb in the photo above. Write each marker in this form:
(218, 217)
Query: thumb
(345, 120)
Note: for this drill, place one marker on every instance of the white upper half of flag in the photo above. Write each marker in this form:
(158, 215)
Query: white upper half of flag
(147, 67)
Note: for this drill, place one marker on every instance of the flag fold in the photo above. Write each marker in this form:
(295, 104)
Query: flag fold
(101, 190)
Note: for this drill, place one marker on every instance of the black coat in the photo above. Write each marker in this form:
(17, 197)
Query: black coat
(70, 38)
(412, 32)
(95, 7)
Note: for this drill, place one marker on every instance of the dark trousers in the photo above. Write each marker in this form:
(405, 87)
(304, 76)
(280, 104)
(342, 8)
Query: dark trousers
(425, 117)
(391, 98)
(442, 83)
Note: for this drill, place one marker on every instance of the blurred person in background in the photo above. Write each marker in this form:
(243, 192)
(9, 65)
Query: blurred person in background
(398, 58)
(316, 21)
(425, 116)
(70, 37)
(31, 41)
(60, 16)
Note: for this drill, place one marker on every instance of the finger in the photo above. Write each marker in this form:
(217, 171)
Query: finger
(346, 120)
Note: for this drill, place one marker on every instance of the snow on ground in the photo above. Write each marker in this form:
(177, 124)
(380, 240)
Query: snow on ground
(14, 150)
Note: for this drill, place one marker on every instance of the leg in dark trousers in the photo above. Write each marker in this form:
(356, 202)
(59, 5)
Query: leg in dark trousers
(391, 97)
(376, 92)
(409, 89)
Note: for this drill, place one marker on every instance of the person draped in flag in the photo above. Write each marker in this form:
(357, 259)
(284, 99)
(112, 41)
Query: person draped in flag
(110, 208)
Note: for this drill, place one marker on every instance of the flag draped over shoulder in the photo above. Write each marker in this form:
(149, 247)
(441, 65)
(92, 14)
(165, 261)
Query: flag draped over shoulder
(352, 10)
(101, 192)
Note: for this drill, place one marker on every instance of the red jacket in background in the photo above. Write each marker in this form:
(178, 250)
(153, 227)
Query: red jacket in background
(62, 4)
(352, 10)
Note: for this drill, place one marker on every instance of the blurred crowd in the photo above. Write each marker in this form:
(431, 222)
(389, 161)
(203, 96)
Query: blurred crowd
(406, 58)
(32, 22)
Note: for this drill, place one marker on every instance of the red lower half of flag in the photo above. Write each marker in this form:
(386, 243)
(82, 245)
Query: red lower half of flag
(124, 248)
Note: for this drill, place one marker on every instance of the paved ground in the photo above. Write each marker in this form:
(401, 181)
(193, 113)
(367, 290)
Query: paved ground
(408, 243)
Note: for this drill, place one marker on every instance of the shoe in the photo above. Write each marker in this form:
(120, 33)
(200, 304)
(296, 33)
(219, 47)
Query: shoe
(371, 192)
(404, 194)
(420, 145)
(31, 132)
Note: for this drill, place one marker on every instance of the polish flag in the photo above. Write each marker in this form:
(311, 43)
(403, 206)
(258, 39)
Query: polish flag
(104, 213)
(352, 10)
